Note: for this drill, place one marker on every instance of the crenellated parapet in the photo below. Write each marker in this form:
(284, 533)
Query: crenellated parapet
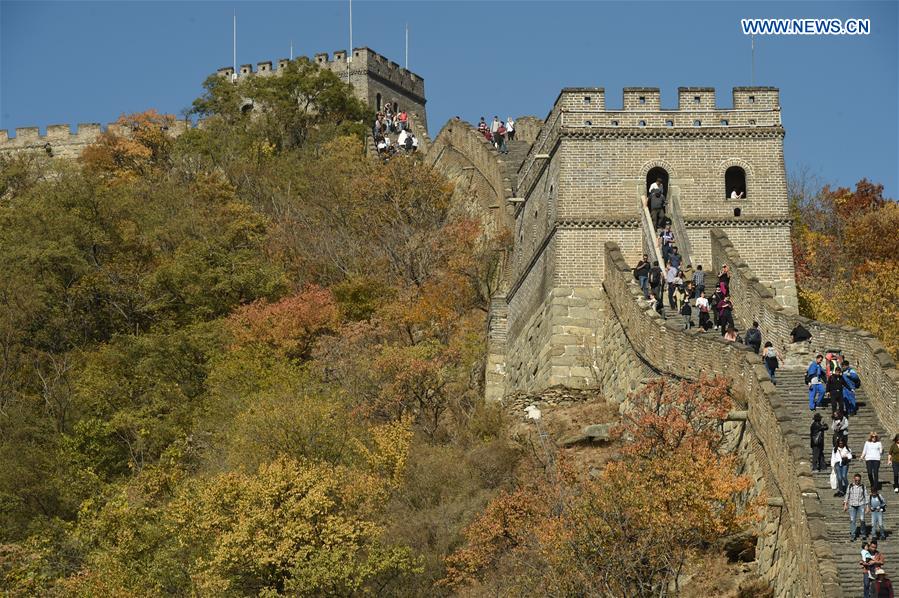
(59, 141)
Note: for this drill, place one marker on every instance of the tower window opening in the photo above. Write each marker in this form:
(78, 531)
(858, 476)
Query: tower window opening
(669, 123)
(697, 123)
(724, 122)
(378, 102)
(752, 99)
(614, 123)
(735, 183)
(642, 99)
(642, 123)
(696, 99)
(587, 99)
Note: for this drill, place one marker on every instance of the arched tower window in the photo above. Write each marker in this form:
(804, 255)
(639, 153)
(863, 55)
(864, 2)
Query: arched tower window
(735, 183)
(653, 175)
(378, 103)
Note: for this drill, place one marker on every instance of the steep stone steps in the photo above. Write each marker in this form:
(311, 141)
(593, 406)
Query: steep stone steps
(793, 392)
(511, 162)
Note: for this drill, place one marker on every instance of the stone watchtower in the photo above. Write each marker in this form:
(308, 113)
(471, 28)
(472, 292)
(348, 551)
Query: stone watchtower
(375, 80)
(582, 184)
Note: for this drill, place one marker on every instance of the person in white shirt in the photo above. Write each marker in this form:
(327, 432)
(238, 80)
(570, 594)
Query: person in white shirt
(840, 454)
(872, 453)
(401, 140)
(702, 304)
(657, 185)
(735, 195)
(510, 129)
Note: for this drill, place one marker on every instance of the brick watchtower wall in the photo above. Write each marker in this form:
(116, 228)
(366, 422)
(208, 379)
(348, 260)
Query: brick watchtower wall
(375, 80)
(581, 185)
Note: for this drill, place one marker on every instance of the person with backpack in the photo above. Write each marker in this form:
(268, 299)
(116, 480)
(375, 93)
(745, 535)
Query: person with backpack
(771, 358)
(877, 504)
(840, 428)
(814, 377)
(856, 503)
(872, 453)
(816, 440)
(851, 381)
(666, 236)
(754, 337)
(641, 273)
(510, 129)
(674, 257)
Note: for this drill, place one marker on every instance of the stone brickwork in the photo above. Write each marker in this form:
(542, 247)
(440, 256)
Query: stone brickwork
(794, 553)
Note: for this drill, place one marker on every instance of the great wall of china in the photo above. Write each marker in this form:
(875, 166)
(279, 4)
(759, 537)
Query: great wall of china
(568, 311)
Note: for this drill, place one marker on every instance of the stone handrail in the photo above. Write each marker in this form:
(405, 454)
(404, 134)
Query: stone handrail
(688, 354)
(650, 236)
(754, 301)
(677, 223)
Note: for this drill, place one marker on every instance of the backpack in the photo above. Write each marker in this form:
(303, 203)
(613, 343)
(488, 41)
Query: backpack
(408, 143)
(818, 439)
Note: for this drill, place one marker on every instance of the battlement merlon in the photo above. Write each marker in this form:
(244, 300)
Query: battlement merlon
(362, 60)
(648, 99)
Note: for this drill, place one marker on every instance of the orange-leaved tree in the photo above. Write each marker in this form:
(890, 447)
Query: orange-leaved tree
(138, 143)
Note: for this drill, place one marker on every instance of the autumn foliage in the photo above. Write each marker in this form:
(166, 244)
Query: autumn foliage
(629, 532)
(845, 249)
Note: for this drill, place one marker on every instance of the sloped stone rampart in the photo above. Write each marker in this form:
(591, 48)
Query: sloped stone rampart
(803, 566)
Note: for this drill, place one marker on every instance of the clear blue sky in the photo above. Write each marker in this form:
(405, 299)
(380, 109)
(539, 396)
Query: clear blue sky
(69, 62)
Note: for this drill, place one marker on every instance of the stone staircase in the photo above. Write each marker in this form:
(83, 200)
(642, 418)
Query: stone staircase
(511, 162)
(793, 392)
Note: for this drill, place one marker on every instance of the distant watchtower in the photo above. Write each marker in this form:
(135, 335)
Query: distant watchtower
(375, 80)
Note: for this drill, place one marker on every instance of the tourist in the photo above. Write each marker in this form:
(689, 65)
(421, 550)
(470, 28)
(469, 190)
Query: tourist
(799, 334)
(402, 138)
(893, 460)
(814, 377)
(840, 427)
(641, 273)
(731, 334)
(725, 314)
(699, 281)
(754, 337)
(816, 433)
(680, 293)
(510, 128)
(872, 562)
(724, 278)
(839, 460)
(675, 258)
(403, 120)
(670, 276)
(494, 127)
(866, 559)
(714, 300)
(687, 313)
(877, 504)
(883, 587)
(656, 279)
(656, 204)
(667, 237)
(702, 304)
(499, 137)
(657, 184)
(735, 195)
(855, 502)
(771, 358)
(872, 453)
(834, 389)
(851, 381)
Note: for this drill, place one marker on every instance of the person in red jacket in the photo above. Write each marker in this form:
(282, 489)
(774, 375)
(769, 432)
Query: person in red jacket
(883, 587)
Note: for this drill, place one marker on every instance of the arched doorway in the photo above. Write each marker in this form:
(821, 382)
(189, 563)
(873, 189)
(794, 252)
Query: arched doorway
(654, 174)
(735, 182)
(378, 103)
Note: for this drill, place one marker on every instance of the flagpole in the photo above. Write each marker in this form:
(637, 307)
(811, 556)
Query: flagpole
(234, 44)
(752, 73)
(407, 46)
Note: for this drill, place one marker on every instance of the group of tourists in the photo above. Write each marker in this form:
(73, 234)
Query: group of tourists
(498, 132)
(386, 124)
